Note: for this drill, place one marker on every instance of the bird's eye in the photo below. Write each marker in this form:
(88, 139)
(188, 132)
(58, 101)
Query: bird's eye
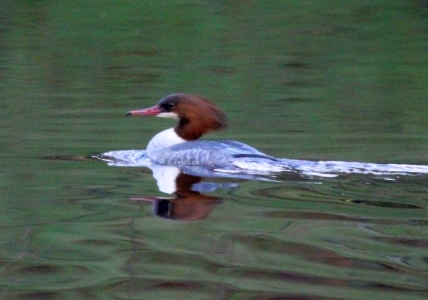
(169, 105)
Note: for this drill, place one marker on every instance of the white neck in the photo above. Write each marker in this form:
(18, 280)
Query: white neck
(164, 139)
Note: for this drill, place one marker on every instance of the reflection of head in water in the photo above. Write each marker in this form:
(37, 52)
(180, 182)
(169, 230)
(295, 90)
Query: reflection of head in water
(188, 205)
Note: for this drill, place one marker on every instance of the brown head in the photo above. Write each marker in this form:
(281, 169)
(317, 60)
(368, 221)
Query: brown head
(196, 115)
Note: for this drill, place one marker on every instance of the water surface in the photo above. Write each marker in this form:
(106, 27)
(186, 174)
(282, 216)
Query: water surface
(339, 81)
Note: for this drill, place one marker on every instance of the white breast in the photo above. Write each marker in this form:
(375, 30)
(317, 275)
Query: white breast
(164, 139)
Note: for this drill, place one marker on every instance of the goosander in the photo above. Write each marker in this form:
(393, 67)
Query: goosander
(196, 116)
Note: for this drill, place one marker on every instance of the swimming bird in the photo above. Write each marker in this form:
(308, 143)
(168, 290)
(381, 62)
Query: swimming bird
(196, 117)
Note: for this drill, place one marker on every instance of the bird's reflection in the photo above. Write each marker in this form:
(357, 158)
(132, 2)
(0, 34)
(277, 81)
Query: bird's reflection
(188, 202)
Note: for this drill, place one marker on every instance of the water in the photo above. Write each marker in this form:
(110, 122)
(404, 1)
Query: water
(344, 81)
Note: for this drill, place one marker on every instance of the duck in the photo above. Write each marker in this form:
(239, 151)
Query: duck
(196, 116)
(183, 148)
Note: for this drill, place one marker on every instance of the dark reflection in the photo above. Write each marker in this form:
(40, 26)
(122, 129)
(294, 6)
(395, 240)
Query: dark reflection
(40, 295)
(187, 203)
(387, 204)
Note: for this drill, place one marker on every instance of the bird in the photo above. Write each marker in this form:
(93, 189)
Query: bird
(196, 116)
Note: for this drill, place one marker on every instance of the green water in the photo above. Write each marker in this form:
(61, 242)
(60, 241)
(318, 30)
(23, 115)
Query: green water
(336, 80)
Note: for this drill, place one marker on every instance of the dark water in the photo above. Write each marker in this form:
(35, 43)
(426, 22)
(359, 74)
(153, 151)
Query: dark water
(337, 80)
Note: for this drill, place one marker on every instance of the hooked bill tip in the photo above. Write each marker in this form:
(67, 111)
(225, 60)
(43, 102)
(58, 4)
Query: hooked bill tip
(128, 114)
